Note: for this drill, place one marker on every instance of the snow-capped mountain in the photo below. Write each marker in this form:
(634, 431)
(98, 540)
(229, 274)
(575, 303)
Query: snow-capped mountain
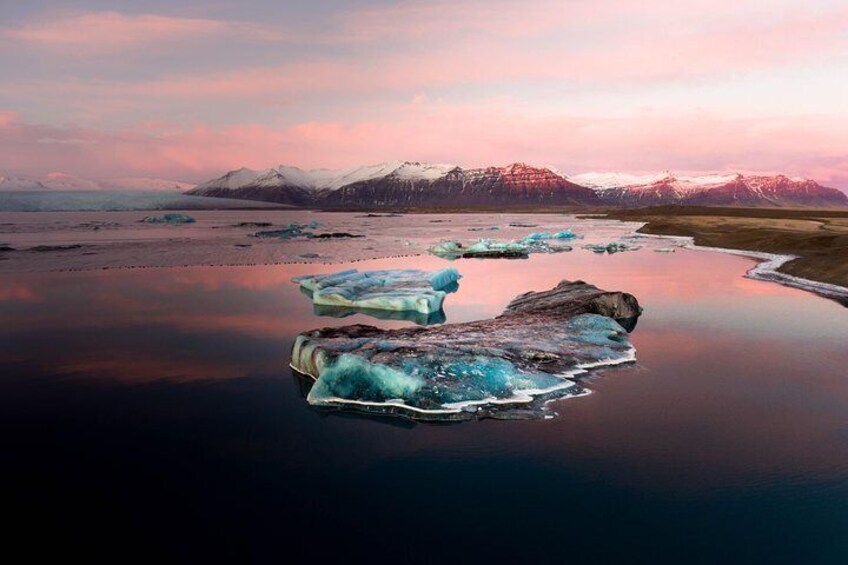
(402, 183)
(63, 181)
(710, 190)
(409, 184)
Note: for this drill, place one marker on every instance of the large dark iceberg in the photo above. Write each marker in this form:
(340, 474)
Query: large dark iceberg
(456, 371)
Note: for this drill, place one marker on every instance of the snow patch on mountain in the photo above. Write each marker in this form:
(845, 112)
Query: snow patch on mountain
(606, 181)
(326, 179)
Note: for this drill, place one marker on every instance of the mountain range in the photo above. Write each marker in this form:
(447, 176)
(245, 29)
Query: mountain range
(400, 184)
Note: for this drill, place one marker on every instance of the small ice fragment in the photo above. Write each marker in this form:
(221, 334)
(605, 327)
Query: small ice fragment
(169, 219)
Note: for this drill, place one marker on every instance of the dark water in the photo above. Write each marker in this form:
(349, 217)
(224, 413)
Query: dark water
(152, 414)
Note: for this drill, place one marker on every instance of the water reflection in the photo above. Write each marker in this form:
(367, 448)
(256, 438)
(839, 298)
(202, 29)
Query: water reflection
(419, 318)
(162, 398)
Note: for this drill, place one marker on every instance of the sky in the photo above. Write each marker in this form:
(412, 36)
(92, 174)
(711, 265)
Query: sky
(189, 90)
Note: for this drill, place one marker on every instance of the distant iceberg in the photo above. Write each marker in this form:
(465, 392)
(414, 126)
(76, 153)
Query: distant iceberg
(613, 247)
(169, 219)
(494, 249)
(541, 236)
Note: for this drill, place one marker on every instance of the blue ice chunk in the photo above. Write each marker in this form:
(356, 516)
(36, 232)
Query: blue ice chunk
(443, 279)
(401, 290)
(350, 376)
(539, 236)
(565, 234)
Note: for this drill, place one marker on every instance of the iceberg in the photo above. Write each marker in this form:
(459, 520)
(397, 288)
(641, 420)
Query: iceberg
(541, 236)
(293, 230)
(169, 219)
(611, 247)
(394, 290)
(533, 350)
(493, 249)
(288, 231)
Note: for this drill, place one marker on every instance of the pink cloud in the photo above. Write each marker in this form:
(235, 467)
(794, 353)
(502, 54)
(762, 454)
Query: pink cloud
(640, 55)
(111, 30)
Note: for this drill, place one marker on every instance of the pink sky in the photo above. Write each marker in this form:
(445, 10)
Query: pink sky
(190, 92)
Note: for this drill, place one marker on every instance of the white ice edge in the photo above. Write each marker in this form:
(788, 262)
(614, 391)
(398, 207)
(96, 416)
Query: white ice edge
(766, 269)
(519, 397)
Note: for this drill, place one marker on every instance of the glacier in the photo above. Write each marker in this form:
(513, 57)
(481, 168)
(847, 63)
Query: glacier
(394, 290)
(533, 350)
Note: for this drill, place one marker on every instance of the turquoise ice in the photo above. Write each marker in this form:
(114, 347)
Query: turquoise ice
(394, 290)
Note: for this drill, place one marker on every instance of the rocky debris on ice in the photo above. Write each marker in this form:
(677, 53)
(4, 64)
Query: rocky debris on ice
(493, 249)
(289, 231)
(611, 248)
(169, 219)
(397, 290)
(454, 371)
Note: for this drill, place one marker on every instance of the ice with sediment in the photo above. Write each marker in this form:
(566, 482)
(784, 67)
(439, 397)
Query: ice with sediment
(397, 290)
(491, 248)
(532, 349)
(289, 231)
(169, 219)
(613, 247)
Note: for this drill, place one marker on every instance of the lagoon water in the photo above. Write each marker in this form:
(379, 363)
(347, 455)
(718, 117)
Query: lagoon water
(152, 413)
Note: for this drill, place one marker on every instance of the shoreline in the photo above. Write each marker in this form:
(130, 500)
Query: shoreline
(767, 267)
(805, 249)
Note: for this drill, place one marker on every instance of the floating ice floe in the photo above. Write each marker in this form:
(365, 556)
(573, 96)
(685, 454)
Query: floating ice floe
(293, 230)
(611, 247)
(169, 219)
(455, 371)
(493, 249)
(393, 290)
(540, 236)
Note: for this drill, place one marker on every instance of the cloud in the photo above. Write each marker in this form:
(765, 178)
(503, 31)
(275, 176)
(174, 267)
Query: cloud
(113, 30)
(496, 53)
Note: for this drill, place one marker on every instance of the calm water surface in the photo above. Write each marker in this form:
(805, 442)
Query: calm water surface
(152, 413)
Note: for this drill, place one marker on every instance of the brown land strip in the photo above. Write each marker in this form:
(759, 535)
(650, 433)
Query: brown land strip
(818, 237)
